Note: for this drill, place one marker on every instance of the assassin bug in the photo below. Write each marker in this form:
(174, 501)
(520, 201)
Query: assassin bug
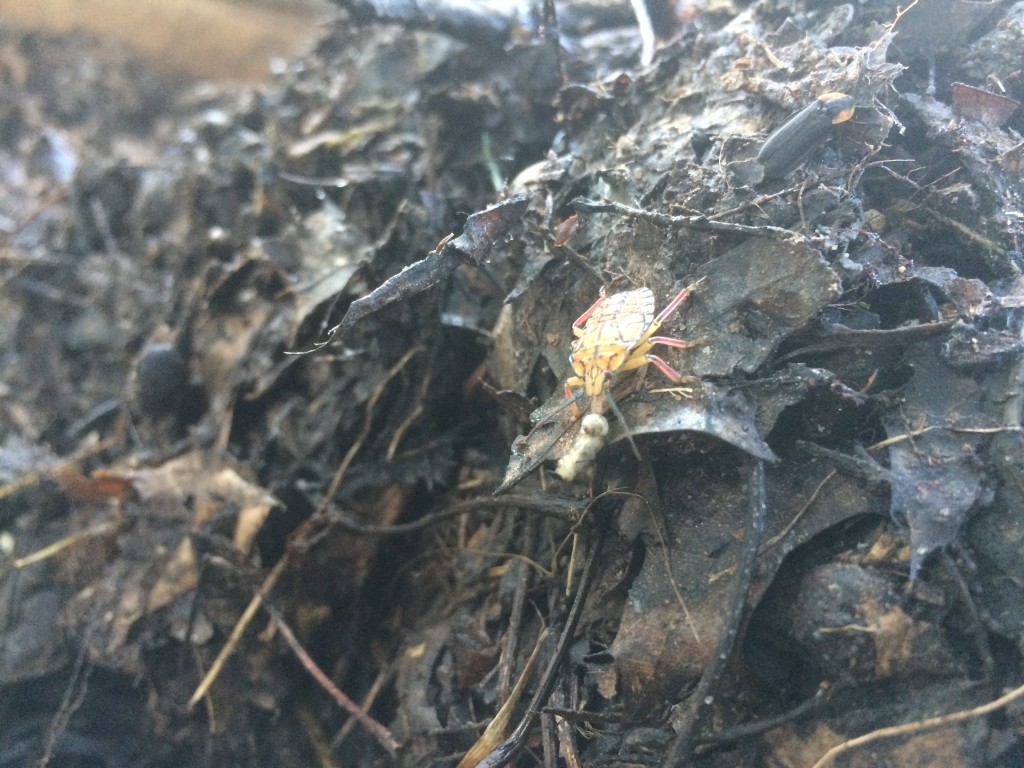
(617, 334)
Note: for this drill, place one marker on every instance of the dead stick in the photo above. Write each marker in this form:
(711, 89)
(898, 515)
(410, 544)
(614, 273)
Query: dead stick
(682, 747)
(700, 222)
(378, 731)
(236, 633)
(510, 747)
(917, 727)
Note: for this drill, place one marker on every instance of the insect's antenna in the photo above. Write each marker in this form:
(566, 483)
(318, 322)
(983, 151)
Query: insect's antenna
(625, 426)
(559, 409)
(571, 400)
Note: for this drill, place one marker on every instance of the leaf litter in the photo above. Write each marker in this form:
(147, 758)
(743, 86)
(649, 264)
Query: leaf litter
(168, 468)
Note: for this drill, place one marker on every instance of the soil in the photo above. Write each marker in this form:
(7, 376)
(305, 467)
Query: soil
(284, 430)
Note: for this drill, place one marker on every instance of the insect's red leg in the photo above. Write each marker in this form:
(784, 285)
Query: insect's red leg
(671, 306)
(570, 399)
(665, 368)
(673, 375)
(578, 325)
(679, 299)
(668, 341)
(653, 327)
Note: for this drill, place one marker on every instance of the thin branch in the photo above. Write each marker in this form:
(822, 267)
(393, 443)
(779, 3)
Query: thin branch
(919, 726)
(563, 509)
(682, 747)
(701, 223)
(383, 736)
(371, 406)
(236, 633)
(509, 748)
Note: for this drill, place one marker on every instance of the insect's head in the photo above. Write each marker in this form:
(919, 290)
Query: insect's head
(593, 379)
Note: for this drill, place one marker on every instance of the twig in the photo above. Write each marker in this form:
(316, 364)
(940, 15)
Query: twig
(800, 513)
(515, 622)
(977, 628)
(757, 202)
(919, 726)
(836, 340)
(408, 421)
(745, 731)
(74, 695)
(316, 737)
(659, 527)
(102, 529)
(371, 406)
(583, 716)
(510, 747)
(700, 222)
(383, 736)
(682, 747)
(563, 509)
(646, 28)
(923, 430)
(239, 628)
(382, 678)
(499, 724)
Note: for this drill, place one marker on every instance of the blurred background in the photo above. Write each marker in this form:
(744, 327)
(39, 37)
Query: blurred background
(186, 39)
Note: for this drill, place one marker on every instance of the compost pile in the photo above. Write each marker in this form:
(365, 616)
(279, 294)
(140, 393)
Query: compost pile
(283, 389)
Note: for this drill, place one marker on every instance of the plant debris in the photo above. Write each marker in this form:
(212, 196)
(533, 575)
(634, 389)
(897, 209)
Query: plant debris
(287, 468)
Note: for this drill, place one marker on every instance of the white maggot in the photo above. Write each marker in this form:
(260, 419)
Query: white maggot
(581, 456)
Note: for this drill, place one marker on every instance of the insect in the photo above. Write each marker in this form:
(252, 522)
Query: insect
(796, 138)
(615, 335)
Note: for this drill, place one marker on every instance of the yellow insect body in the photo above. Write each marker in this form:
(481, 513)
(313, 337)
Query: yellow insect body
(614, 327)
(617, 334)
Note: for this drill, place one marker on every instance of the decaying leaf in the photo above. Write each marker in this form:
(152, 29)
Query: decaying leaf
(946, 421)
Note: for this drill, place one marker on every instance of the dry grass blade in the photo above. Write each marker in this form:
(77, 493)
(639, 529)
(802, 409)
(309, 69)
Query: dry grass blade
(236, 633)
(495, 732)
